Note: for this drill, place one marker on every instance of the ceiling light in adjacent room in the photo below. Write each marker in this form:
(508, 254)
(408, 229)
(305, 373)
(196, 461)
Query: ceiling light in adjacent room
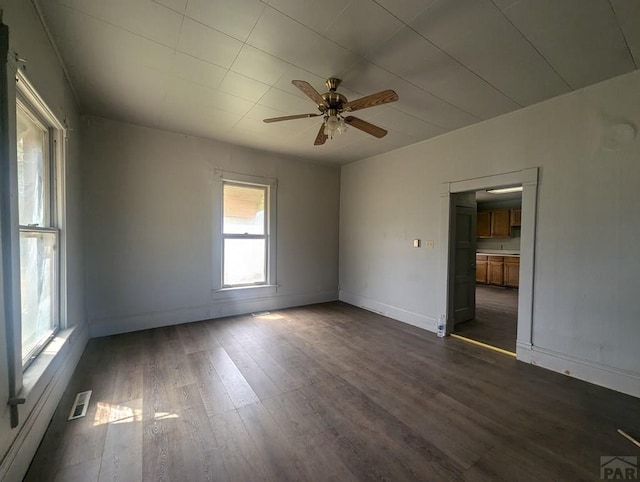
(505, 190)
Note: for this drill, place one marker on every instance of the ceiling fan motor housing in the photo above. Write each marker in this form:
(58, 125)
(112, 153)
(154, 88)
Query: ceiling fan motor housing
(334, 100)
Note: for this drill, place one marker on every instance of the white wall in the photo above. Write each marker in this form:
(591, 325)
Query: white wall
(43, 70)
(586, 317)
(149, 211)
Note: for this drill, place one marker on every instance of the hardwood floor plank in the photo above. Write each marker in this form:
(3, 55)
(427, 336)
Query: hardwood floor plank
(196, 337)
(281, 377)
(241, 458)
(276, 449)
(122, 455)
(212, 391)
(312, 444)
(451, 439)
(236, 385)
(192, 452)
(83, 472)
(369, 423)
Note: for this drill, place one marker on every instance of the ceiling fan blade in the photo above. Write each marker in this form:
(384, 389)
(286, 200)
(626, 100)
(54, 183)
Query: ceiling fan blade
(321, 138)
(365, 126)
(372, 100)
(290, 117)
(310, 92)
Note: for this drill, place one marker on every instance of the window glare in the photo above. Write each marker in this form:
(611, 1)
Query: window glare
(244, 261)
(38, 288)
(31, 142)
(244, 209)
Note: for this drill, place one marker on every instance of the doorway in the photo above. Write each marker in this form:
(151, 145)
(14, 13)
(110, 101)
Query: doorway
(459, 251)
(495, 264)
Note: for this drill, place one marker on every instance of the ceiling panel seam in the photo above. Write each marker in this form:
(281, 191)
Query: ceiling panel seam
(626, 41)
(448, 55)
(570, 87)
(38, 10)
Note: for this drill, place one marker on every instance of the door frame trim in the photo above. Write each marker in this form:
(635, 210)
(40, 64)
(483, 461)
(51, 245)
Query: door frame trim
(529, 180)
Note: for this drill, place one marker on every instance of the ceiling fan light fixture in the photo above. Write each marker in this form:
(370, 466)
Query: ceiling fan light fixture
(331, 125)
(342, 126)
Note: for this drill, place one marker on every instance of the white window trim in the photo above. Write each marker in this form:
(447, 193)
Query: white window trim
(218, 291)
(27, 96)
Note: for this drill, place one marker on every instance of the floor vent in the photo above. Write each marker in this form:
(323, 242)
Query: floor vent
(79, 408)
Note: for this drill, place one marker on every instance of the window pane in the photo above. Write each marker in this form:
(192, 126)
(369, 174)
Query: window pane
(244, 261)
(38, 273)
(32, 173)
(244, 209)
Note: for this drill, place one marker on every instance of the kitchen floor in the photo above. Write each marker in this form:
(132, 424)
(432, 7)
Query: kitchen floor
(496, 320)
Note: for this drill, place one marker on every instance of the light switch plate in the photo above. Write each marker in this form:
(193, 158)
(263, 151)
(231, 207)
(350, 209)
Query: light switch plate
(416, 243)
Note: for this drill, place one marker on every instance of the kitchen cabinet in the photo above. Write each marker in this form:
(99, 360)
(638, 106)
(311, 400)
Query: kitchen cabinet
(481, 269)
(500, 223)
(511, 271)
(495, 223)
(516, 217)
(484, 224)
(495, 270)
(498, 270)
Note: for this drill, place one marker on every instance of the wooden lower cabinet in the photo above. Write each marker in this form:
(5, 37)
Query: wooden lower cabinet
(512, 271)
(495, 275)
(481, 269)
(498, 270)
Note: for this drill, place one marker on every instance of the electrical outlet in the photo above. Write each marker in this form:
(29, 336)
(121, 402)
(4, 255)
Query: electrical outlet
(430, 244)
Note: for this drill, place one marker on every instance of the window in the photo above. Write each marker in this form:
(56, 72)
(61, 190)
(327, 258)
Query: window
(245, 244)
(245, 234)
(36, 140)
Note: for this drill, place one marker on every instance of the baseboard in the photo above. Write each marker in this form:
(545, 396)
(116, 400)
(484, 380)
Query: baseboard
(30, 433)
(216, 309)
(623, 381)
(409, 317)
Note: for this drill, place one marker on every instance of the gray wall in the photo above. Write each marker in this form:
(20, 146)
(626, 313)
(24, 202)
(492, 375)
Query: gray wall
(149, 212)
(44, 71)
(585, 310)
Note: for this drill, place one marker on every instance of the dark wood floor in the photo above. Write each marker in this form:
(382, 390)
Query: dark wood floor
(496, 321)
(325, 392)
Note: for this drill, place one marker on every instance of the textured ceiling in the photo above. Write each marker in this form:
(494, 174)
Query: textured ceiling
(216, 68)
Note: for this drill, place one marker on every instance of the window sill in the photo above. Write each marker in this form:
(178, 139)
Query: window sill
(38, 375)
(244, 292)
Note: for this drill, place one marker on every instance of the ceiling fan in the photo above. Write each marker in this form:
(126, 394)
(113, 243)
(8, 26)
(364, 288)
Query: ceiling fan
(332, 105)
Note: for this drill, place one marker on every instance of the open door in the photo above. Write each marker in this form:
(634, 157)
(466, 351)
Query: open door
(463, 253)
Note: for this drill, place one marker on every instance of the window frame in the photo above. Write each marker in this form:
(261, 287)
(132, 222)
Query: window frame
(264, 236)
(269, 286)
(27, 98)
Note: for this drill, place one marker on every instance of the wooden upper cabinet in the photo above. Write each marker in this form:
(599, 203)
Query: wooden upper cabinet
(516, 217)
(497, 223)
(484, 224)
(500, 223)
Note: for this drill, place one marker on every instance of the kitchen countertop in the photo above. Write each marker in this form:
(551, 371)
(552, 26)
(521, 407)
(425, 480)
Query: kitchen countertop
(498, 252)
